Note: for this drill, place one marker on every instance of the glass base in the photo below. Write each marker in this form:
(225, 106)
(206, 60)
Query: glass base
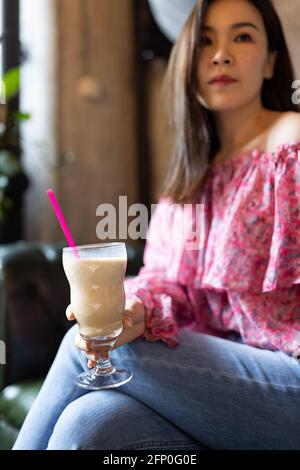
(97, 381)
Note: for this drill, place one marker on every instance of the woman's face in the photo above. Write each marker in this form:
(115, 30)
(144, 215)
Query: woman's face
(238, 51)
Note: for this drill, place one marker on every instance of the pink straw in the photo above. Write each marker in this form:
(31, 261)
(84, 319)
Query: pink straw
(62, 221)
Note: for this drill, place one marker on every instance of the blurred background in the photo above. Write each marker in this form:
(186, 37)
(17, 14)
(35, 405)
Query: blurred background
(84, 111)
(82, 114)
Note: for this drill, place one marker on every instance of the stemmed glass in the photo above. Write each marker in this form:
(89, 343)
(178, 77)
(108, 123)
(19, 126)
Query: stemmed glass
(96, 278)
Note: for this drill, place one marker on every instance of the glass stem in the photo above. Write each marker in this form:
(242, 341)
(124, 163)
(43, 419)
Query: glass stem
(103, 365)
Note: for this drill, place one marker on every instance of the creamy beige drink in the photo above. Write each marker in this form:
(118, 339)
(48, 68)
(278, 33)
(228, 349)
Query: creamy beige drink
(97, 293)
(96, 276)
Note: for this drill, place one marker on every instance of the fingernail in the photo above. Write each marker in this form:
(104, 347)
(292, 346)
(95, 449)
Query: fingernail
(129, 321)
(91, 357)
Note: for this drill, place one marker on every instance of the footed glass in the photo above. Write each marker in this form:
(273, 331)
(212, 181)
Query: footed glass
(96, 279)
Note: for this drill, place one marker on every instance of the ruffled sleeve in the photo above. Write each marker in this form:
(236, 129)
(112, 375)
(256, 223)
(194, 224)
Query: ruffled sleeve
(165, 301)
(253, 223)
(284, 260)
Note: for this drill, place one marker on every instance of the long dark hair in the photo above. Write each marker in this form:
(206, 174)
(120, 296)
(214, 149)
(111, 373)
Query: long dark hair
(195, 136)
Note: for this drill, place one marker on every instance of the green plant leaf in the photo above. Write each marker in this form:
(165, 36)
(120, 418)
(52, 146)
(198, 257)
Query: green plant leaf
(20, 116)
(11, 80)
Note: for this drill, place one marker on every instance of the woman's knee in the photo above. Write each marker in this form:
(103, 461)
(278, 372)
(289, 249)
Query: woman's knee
(111, 420)
(97, 420)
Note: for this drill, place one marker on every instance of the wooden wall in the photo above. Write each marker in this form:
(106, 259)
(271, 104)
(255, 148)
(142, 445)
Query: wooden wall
(82, 138)
(158, 130)
(95, 109)
(86, 146)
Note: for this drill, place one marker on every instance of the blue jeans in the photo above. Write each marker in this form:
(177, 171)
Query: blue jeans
(209, 393)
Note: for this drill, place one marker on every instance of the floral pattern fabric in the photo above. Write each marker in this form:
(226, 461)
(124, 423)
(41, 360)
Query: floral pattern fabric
(244, 275)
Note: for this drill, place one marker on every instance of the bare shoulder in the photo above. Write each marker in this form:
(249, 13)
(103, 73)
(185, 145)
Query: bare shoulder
(290, 122)
(286, 128)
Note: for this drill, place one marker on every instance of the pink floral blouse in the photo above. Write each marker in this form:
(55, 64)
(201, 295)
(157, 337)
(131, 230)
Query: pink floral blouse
(244, 276)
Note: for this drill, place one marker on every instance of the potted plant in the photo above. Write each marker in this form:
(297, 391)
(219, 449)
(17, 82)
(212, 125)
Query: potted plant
(13, 180)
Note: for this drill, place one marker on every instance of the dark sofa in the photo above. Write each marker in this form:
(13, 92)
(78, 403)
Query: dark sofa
(34, 293)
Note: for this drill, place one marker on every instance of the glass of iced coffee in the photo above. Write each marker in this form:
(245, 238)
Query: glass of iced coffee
(96, 278)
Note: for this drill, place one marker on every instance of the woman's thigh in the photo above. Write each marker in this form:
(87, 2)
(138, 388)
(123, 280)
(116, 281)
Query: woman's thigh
(224, 394)
(111, 420)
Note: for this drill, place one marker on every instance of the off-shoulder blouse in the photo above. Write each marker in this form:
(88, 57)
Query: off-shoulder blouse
(244, 274)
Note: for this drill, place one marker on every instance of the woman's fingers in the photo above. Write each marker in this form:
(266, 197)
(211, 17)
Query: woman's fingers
(127, 320)
(81, 344)
(132, 328)
(84, 346)
(69, 313)
(92, 356)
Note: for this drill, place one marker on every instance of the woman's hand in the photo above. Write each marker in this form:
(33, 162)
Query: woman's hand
(133, 327)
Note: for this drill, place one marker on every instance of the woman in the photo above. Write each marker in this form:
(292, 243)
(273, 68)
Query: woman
(218, 326)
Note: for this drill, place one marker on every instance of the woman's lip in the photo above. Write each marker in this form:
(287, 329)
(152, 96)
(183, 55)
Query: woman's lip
(223, 82)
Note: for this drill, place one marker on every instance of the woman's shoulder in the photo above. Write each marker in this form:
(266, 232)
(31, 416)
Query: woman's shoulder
(285, 129)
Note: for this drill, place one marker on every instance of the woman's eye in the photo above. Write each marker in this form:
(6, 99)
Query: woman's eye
(244, 35)
(203, 40)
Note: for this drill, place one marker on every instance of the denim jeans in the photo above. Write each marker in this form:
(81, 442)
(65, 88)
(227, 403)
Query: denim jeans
(209, 393)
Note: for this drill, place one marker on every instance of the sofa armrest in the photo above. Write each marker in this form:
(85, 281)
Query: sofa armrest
(34, 294)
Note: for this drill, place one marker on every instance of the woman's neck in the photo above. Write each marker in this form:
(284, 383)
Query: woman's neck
(239, 130)
(238, 126)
